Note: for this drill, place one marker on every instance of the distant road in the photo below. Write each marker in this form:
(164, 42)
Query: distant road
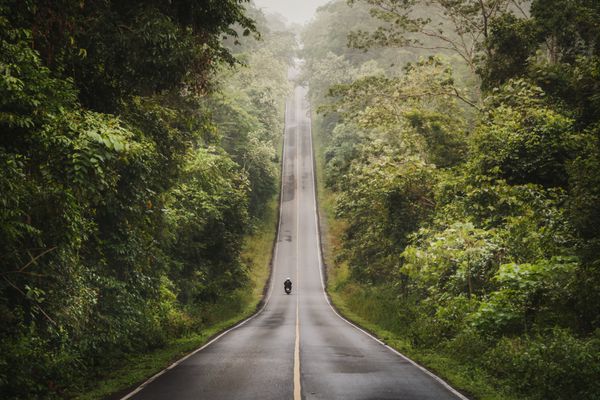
(297, 346)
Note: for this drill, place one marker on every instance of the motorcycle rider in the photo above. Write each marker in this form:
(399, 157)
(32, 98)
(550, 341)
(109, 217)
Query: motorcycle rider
(287, 284)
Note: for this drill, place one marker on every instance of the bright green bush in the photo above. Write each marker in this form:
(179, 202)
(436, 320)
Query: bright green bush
(527, 294)
(525, 145)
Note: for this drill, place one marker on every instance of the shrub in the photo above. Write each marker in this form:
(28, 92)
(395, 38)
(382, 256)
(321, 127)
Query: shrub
(554, 365)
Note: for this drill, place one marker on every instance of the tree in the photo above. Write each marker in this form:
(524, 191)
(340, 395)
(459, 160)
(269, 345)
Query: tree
(524, 141)
(388, 195)
(459, 27)
(132, 48)
(422, 101)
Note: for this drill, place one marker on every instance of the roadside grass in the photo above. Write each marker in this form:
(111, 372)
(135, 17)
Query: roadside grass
(136, 368)
(331, 227)
(257, 251)
(361, 304)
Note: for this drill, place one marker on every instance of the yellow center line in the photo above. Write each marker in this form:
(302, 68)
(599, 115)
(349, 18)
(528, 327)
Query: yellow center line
(297, 387)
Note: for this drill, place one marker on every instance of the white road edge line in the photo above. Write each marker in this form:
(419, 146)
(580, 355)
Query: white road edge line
(321, 270)
(270, 290)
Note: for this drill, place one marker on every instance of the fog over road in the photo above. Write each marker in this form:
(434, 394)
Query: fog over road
(297, 346)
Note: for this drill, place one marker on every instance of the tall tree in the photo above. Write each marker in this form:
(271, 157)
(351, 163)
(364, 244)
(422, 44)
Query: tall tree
(457, 26)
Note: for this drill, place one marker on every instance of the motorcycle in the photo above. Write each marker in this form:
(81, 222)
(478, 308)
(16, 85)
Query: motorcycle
(287, 290)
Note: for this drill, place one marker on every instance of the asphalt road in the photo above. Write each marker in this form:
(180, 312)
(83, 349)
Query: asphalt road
(297, 346)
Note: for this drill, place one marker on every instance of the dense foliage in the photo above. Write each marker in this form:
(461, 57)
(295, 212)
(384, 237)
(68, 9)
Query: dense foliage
(133, 160)
(470, 200)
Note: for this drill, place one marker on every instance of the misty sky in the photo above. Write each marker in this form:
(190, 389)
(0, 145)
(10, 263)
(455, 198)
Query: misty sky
(299, 11)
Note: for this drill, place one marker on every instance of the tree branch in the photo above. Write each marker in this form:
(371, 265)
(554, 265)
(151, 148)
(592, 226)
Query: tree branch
(469, 102)
(25, 295)
(34, 259)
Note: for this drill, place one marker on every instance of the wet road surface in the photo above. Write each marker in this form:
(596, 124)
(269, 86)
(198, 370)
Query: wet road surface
(296, 346)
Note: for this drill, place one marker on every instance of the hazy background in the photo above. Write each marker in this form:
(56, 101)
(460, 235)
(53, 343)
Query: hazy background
(295, 11)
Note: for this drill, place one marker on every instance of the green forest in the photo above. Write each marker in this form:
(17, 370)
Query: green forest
(459, 151)
(139, 156)
(458, 156)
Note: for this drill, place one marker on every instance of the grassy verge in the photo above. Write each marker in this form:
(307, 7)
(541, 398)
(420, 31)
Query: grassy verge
(139, 367)
(331, 228)
(367, 308)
